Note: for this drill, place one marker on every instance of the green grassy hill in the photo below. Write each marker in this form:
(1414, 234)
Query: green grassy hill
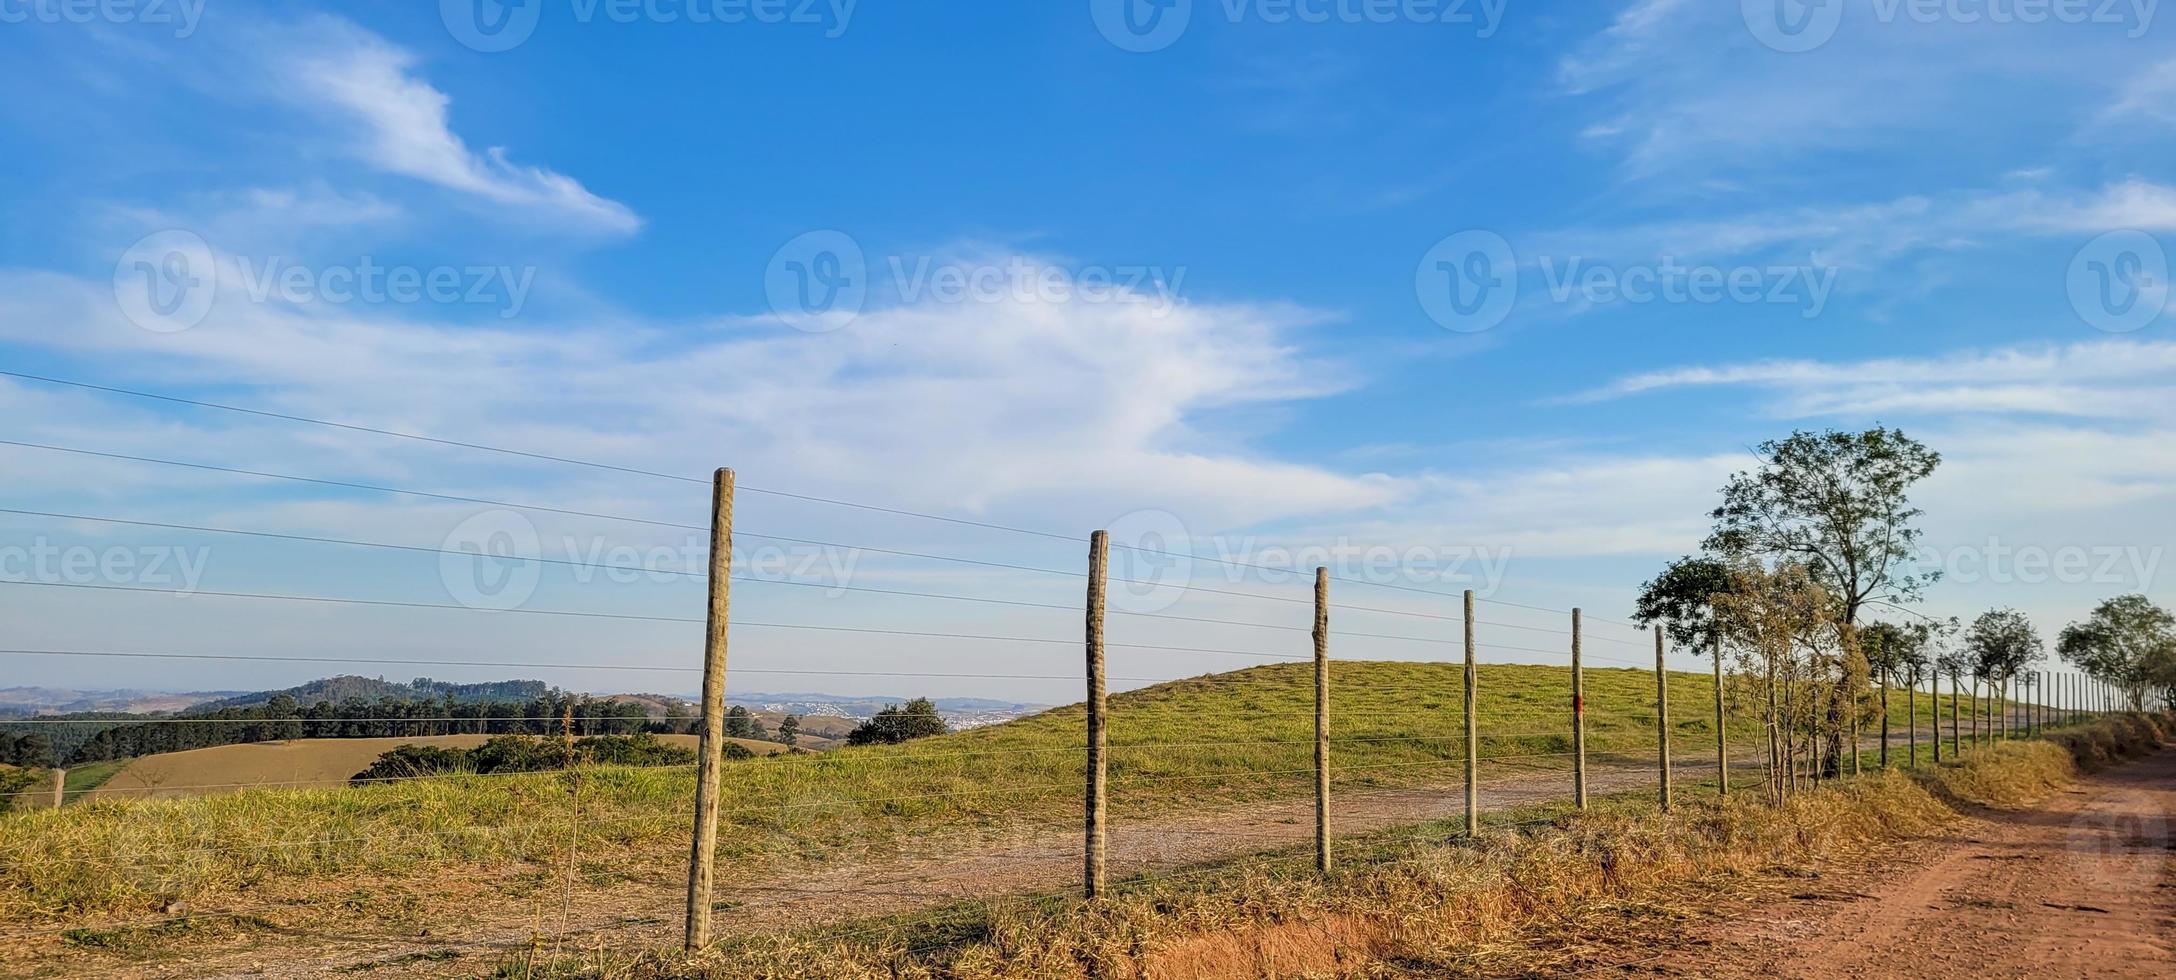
(1229, 737)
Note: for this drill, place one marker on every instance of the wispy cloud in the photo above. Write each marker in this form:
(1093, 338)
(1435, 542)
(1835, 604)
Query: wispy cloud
(406, 129)
(2109, 379)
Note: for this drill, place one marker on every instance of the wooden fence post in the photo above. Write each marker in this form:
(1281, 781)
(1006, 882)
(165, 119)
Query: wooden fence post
(60, 787)
(1092, 876)
(1885, 718)
(1975, 711)
(1722, 744)
(702, 858)
(1911, 720)
(1579, 721)
(1957, 728)
(1473, 726)
(1322, 719)
(1935, 709)
(1662, 716)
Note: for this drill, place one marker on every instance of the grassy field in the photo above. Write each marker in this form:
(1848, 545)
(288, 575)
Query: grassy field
(86, 778)
(1222, 738)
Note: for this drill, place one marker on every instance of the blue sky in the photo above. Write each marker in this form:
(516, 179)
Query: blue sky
(1947, 217)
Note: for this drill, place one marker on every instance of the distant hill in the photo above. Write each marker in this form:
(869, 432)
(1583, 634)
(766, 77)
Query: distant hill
(372, 688)
(21, 701)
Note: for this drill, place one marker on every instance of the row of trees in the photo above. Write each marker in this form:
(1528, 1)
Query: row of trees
(1805, 548)
(281, 718)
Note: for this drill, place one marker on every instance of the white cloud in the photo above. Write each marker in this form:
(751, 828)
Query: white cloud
(2108, 378)
(406, 129)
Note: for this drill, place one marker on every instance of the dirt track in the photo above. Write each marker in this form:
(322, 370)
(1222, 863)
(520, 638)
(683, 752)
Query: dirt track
(2083, 885)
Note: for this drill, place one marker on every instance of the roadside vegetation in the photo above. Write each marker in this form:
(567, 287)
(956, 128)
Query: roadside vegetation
(1574, 892)
(1220, 739)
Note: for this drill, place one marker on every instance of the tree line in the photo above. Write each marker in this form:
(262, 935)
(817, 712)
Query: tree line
(1807, 550)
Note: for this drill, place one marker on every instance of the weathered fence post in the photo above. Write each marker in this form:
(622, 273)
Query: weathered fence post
(1473, 727)
(702, 858)
(1662, 716)
(1722, 744)
(1975, 711)
(60, 787)
(1579, 721)
(1099, 551)
(1911, 719)
(1322, 719)
(1885, 717)
(1935, 709)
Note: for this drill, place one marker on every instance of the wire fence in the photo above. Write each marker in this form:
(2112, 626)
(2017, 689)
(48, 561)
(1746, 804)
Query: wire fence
(1329, 740)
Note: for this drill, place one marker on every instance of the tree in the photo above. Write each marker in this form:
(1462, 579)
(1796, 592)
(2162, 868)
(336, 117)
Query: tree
(1838, 503)
(2001, 644)
(739, 723)
(789, 730)
(1683, 599)
(2127, 642)
(915, 719)
(1778, 622)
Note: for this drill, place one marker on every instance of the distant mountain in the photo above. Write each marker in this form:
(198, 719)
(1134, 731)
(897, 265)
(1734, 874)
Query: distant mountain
(20, 701)
(372, 688)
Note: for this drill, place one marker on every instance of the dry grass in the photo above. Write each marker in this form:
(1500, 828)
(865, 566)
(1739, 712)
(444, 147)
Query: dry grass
(1510, 902)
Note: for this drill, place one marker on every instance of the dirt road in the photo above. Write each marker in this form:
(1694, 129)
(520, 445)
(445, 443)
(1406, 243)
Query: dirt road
(2083, 885)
